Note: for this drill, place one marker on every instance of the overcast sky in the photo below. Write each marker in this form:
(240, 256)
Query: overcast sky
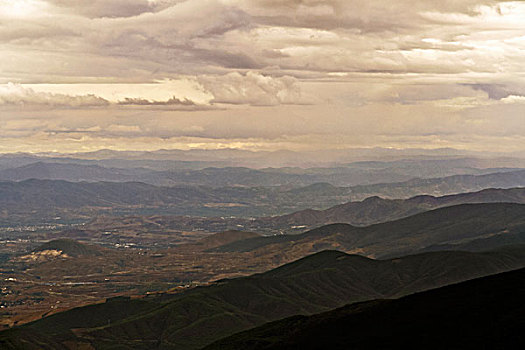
(79, 75)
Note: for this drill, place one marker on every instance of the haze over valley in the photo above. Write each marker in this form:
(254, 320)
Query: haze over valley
(69, 240)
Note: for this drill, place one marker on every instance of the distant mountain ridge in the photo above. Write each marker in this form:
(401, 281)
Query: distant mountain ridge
(34, 194)
(69, 172)
(279, 158)
(446, 185)
(46, 195)
(181, 173)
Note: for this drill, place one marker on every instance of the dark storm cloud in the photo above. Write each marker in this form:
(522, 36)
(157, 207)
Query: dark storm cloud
(498, 91)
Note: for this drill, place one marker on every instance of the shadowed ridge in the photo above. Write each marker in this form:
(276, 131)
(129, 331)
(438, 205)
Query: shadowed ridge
(403, 236)
(330, 228)
(326, 259)
(200, 316)
(226, 237)
(258, 242)
(483, 313)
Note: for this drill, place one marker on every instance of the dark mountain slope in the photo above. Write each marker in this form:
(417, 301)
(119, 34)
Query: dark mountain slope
(481, 244)
(486, 313)
(447, 225)
(54, 332)
(199, 316)
(252, 244)
(226, 237)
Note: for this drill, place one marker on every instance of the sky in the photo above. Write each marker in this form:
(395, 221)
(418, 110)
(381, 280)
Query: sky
(79, 75)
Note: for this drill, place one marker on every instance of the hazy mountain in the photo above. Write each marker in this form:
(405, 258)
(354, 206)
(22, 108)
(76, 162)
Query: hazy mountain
(238, 176)
(436, 187)
(192, 173)
(370, 211)
(350, 175)
(485, 313)
(446, 185)
(51, 198)
(283, 158)
(448, 225)
(433, 168)
(222, 177)
(15, 161)
(42, 194)
(199, 316)
(375, 209)
(69, 172)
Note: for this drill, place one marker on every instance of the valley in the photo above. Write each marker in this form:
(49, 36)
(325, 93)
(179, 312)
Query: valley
(78, 246)
(64, 273)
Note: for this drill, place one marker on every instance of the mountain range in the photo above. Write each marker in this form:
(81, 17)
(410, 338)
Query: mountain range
(49, 195)
(257, 159)
(200, 316)
(455, 226)
(187, 173)
(375, 209)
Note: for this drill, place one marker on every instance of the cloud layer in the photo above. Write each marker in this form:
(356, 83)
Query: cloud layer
(262, 73)
(17, 95)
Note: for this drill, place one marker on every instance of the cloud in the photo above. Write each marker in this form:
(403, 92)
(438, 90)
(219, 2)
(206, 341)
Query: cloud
(370, 16)
(499, 91)
(173, 104)
(349, 71)
(145, 102)
(101, 8)
(252, 88)
(139, 39)
(17, 95)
